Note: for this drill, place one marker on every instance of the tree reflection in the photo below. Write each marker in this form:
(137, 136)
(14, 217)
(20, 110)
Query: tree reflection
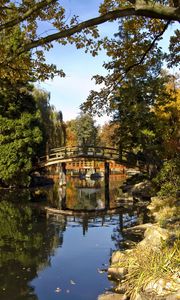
(123, 238)
(26, 244)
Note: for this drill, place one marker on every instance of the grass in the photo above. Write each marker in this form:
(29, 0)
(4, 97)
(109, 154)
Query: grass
(146, 265)
(165, 210)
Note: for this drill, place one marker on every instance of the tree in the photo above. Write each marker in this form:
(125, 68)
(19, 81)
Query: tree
(57, 134)
(71, 136)
(50, 122)
(82, 131)
(107, 135)
(167, 112)
(132, 87)
(16, 48)
(86, 130)
(20, 135)
(129, 96)
(133, 51)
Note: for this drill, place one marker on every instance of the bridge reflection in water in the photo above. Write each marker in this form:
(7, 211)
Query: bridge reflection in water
(86, 202)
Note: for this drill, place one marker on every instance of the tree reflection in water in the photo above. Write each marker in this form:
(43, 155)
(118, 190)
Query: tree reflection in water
(28, 240)
(26, 244)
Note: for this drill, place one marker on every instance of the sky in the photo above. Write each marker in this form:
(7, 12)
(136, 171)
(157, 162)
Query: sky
(68, 93)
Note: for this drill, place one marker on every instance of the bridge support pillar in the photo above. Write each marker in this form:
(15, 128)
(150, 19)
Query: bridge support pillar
(47, 151)
(62, 174)
(106, 179)
(121, 222)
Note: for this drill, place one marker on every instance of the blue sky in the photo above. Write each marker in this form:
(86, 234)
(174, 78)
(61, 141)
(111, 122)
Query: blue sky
(68, 93)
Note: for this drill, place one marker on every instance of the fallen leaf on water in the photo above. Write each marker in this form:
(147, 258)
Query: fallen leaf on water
(72, 282)
(58, 290)
(101, 270)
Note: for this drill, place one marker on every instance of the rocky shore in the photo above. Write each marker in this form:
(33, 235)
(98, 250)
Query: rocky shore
(148, 271)
(159, 289)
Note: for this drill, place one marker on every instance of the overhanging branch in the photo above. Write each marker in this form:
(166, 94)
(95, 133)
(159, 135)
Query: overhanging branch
(165, 13)
(108, 91)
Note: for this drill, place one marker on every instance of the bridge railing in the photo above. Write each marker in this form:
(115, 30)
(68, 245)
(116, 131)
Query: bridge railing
(84, 151)
(81, 152)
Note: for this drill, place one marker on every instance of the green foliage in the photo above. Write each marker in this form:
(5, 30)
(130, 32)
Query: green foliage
(168, 179)
(130, 64)
(82, 131)
(129, 94)
(86, 130)
(50, 122)
(135, 120)
(27, 125)
(19, 135)
(17, 142)
(165, 211)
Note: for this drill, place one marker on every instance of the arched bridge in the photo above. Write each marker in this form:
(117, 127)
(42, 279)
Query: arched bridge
(66, 154)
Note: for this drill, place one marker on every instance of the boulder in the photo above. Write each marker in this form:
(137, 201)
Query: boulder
(153, 236)
(112, 296)
(117, 273)
(164, 289)
(143, 190)
(116, 257)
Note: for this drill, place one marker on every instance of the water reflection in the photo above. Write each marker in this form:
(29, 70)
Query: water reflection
(59, 256)
(85, 194)
(25, 249)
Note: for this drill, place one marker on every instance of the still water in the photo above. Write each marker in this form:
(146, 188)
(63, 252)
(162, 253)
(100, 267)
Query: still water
(49, 257)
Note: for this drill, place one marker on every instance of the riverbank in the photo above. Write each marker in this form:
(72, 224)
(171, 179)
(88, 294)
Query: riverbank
(149, 271)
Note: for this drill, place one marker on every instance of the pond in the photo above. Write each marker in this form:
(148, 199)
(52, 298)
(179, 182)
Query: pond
(61, 256)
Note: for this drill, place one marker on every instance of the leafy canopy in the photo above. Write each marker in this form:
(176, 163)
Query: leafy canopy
(22, 45)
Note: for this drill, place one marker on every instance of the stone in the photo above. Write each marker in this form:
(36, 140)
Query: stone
(161, 288)
(174, 296)
(138, 297)
(156, 286)
(122, 271)
(116, 257)
(117, 272)
(142, 228)
(112, 296)
(153, 236)
(143, 189)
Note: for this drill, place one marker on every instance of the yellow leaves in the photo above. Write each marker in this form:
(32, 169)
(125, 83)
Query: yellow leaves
(170, 105)
(109, 5)
(134, 24)
(155, 25)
